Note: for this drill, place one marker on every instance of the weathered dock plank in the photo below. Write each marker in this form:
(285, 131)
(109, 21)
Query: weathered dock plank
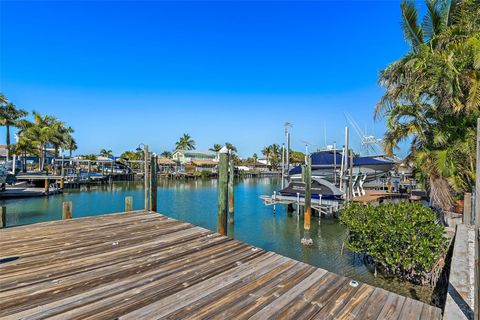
(143, 265)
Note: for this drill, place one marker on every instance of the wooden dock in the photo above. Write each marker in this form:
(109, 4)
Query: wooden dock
(379, 196)
(141, 265)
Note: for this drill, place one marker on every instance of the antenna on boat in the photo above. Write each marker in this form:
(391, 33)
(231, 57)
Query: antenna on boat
(369, 142)
(287, 125)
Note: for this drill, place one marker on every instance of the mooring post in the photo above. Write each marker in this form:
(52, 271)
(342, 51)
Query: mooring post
(298, 203)
(3, 217)
(222, 191)
(89, 170)
(307, 241)
(153, 183)
(231, 199)
(128, 203)
(67, 210)
(146, 177)
(47, 184)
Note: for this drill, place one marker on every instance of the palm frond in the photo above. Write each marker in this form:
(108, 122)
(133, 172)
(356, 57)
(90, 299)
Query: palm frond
(412, 31)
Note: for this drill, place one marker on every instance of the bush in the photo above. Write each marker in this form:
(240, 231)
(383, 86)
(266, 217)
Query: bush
(399, 239)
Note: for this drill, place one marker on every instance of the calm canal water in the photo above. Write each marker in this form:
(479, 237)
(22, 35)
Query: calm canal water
(196, 202)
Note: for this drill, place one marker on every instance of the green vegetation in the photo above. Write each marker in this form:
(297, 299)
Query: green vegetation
(399, 239)
(106, 153)
(132, 155)
(273, 153)
(185, 143)
(432, 95)
(34, 136)
(216, 147)
(166, 154)
(9, 117)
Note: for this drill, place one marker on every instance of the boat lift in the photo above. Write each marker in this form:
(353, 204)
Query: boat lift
(323, 206)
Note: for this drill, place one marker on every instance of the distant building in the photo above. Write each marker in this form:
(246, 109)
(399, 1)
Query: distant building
(166, 165)
(187, 156)
(264, 161)
(253, 166)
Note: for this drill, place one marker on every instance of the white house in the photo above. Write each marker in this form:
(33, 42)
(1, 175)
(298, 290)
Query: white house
(187, 156)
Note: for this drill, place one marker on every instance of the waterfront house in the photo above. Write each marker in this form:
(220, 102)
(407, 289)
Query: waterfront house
(184, 157)
(253, 166)
(204, 165)
(166, 165)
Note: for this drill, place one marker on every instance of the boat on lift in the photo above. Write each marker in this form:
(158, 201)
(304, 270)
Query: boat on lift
(329, 164)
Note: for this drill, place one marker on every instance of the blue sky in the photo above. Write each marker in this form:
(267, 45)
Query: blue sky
(122, 72)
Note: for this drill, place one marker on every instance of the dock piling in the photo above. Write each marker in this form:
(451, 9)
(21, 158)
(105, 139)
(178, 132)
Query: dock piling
(307, 179)
(67, 210)
(222, 191)
(146, 179)
(128, 203)
(231, 199)
(46, 186)
(153, 183)
(3, 217)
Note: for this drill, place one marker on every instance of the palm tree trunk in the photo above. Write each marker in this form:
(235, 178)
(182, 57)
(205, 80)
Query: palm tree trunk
(8, 135)
(24, 161)
(42, 155)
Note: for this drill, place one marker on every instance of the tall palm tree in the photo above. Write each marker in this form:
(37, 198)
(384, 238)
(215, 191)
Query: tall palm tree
(433, 93)
(3, 98)
(231, 147)
(106, 153)
(70, 145)
(185, 143)
(166, 154)
(216, 147)
(9, 115)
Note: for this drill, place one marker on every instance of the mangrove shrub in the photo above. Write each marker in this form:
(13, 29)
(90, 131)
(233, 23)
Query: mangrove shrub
(399, 239)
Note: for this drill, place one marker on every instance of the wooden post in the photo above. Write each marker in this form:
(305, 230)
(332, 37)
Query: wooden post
(231, 199)
(47, 185)
(307, 213)
(146, 178)
(3, 217)
(128, 203)
(222, 191)
(153, 183)
(67, 210)
(467, 209)
(62, 173)
(89, 170)
(350, 176)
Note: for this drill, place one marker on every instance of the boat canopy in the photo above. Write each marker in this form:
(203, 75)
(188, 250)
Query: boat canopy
(328, 159)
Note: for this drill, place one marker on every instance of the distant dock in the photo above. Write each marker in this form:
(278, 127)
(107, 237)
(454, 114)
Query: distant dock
(143, 265)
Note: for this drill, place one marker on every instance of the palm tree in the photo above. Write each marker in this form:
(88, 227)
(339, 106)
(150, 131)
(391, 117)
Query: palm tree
(70, 145)
(166, 154)
(47, 130)
(3, 98)
(216, 147)
(433, 94)
(185, 143)
(231, 147)
(106, 153)
(9, 115)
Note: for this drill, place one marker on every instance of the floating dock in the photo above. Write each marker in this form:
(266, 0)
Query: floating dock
(144, 265)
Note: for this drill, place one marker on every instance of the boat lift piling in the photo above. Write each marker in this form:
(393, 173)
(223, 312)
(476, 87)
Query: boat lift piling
(231, 199)
(222, 191)
(307, 213)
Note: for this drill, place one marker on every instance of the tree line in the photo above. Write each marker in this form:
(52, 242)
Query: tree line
(34, 136)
